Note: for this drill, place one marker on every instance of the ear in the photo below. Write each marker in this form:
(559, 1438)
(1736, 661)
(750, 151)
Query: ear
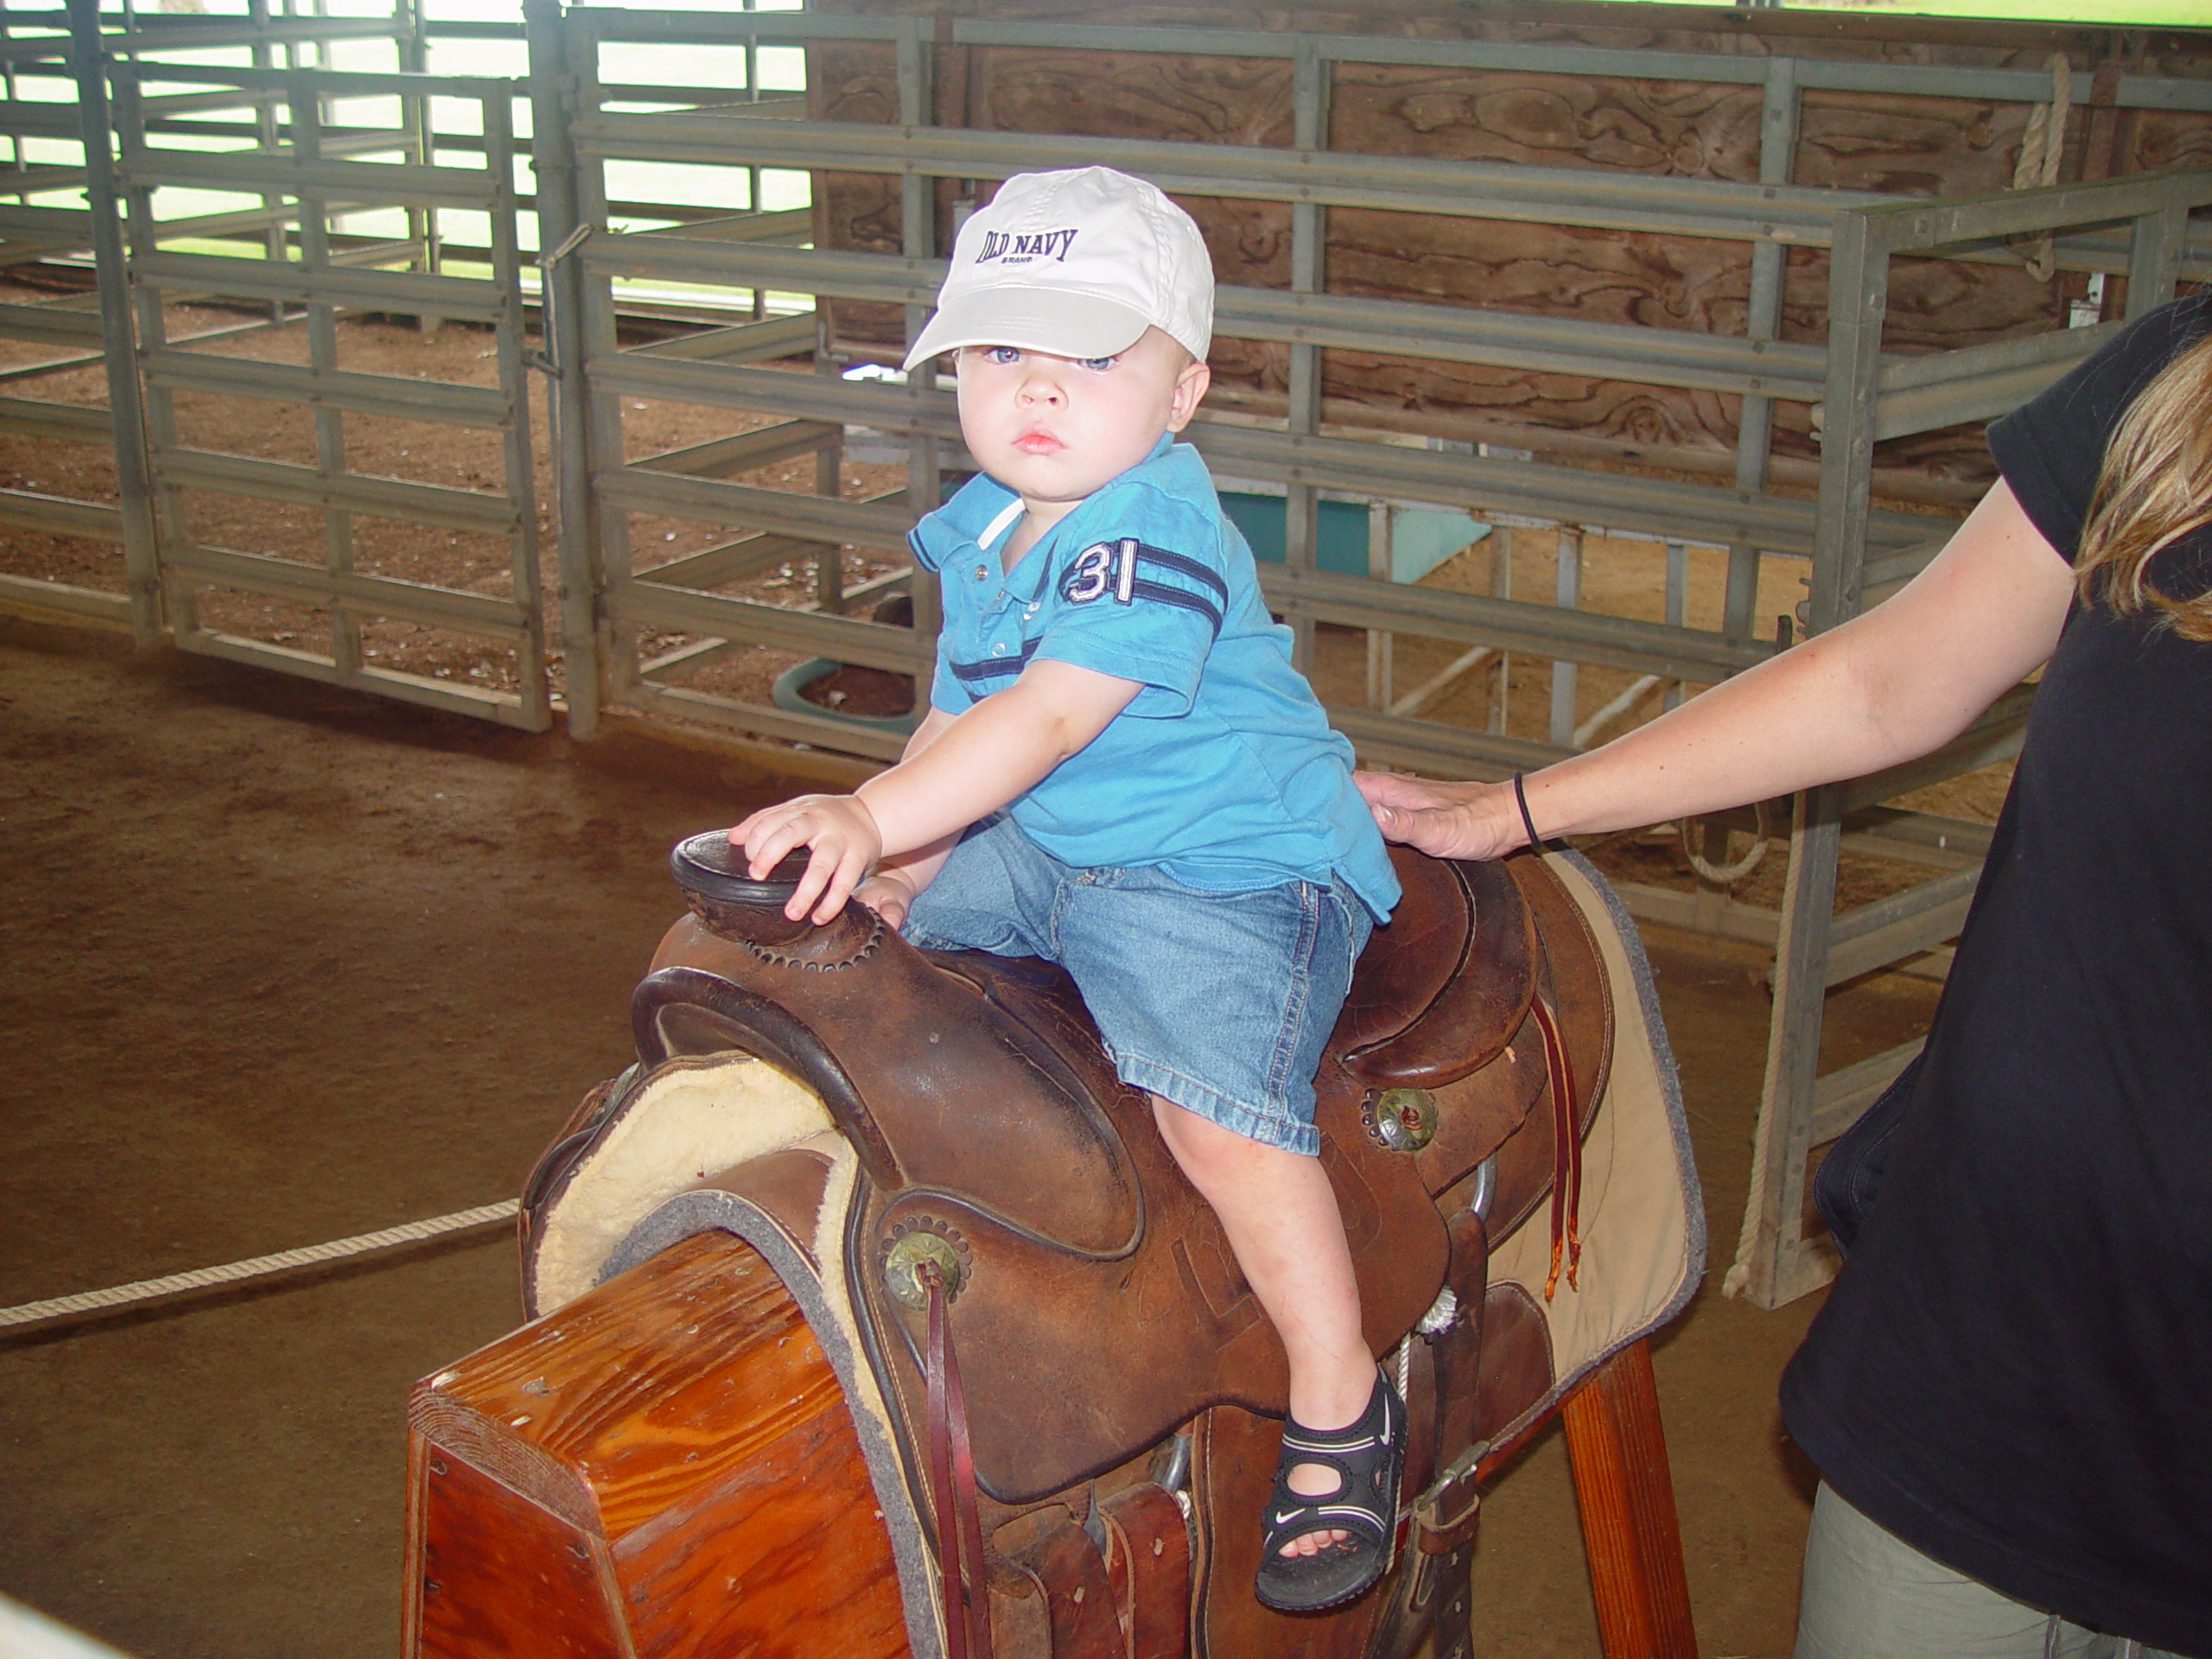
(1190, 386)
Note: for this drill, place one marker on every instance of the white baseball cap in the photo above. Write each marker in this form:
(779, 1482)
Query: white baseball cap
(1078, 264)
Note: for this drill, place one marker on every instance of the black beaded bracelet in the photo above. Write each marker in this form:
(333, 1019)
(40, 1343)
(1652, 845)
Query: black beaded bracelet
(1520, 799)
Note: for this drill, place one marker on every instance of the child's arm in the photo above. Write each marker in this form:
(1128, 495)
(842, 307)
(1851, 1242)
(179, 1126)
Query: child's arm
(898, 878)
(973, 765)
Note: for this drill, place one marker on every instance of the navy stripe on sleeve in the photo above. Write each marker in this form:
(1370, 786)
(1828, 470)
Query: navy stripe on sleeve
(1187, 566)
(992, 667)
(1108, 571)
(1188, 600)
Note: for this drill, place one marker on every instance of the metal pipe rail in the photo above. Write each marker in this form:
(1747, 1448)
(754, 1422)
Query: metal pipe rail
(1453, 333)
(410, 293)
(307, 172)
(1550, 58)
(1696, 511)
(1310, 177)
(326, 83)
(1795, 215)
(1865, 398)
(33, 232)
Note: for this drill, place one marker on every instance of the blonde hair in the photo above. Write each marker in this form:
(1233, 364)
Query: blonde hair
(2155, 488)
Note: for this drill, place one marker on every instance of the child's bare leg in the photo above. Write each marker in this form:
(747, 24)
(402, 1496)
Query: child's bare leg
(1280, 1215)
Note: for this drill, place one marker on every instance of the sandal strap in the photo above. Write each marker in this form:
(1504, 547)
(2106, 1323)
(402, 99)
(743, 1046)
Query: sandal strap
(1365, 1456)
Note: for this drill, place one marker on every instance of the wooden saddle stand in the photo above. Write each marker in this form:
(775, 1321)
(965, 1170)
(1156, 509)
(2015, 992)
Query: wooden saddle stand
(871, 1316)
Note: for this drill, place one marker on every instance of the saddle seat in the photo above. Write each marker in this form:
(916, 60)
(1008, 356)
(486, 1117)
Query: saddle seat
(1091, 1289)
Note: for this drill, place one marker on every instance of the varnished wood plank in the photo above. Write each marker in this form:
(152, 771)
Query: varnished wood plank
(1629, 1531)
(653, 1386)
(676, 1442)
(784, 1557)
(502, 1578)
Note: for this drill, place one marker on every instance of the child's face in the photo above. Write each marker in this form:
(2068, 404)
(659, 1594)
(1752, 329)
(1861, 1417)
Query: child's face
(1054, 429)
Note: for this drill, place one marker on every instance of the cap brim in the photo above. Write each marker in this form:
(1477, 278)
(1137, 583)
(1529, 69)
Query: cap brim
(1033, 319)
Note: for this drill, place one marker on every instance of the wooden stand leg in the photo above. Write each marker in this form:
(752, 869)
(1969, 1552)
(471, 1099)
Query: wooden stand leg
(1627, 1497)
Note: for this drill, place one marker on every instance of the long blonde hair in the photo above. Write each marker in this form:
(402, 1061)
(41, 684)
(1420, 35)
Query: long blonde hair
(2155, 488)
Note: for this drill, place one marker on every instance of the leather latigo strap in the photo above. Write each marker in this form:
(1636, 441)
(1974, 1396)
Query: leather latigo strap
(1566, 1155)
(965, 1589)
(1148, 1568)
(1576, 993)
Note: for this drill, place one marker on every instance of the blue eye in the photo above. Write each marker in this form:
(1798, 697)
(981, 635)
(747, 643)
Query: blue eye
(1097, 364)
(1002, 353)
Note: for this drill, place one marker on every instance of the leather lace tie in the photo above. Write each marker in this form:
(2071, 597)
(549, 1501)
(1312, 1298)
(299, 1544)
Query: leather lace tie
(952, 1476)
(1567, 1154)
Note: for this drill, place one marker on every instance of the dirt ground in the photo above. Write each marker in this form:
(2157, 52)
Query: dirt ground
(281, 963)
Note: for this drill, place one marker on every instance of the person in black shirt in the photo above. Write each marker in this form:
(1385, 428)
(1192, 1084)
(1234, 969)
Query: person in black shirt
(2005, 1390)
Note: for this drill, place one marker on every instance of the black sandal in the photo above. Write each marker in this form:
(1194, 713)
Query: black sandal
(1368, 1456)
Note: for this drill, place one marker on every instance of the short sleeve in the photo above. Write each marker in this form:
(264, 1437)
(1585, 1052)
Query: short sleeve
(1140, 593)
(945, 690)
(924, 554)
(2051, 448)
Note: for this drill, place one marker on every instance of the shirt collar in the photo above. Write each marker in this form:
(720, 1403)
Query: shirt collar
(980, 515)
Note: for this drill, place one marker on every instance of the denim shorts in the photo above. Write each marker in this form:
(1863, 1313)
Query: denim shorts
(1218, 1002)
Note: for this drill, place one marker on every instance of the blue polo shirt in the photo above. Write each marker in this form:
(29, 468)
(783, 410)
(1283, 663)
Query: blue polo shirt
(1222, 770)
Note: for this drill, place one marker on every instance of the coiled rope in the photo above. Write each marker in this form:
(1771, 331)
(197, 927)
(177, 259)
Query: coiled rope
(259, 1267)
(2041, 147)
(1726, 875)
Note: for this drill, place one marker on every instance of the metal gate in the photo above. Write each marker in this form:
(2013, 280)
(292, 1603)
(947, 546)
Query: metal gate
(286, 559)
(97, 547)
(904, 150)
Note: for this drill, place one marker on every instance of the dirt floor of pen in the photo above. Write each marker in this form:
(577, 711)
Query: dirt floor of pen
(281, 964)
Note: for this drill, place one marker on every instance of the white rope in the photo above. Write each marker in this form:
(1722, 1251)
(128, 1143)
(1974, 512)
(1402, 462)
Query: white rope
(1726, 875)
(259, 1267)
(1423, 695)
(1637, 691)
(1441, 1314)
(2041, 145)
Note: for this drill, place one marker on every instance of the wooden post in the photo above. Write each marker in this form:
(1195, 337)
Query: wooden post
(1629, 1534)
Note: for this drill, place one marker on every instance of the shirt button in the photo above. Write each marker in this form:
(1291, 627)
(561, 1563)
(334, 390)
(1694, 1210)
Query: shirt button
(981, 570)
(998, 650)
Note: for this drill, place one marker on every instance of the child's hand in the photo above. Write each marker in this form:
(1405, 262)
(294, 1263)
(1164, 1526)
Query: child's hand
(889, 894)
(845, 844)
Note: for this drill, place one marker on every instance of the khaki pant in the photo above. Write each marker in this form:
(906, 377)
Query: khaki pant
(1870, 1595)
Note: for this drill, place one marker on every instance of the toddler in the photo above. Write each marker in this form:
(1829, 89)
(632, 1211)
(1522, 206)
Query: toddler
(1120, 771)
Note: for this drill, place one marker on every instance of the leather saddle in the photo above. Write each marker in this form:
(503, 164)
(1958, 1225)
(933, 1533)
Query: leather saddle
(1093, 1295)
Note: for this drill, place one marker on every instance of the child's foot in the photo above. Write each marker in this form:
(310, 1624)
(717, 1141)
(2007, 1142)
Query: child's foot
(1362, 1507)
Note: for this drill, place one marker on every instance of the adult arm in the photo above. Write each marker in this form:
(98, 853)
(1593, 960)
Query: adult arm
(972, 765)
(1894, 683)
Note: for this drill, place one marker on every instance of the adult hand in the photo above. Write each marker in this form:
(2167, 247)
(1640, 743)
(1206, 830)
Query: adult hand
(843, 840)
(1446, 820)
